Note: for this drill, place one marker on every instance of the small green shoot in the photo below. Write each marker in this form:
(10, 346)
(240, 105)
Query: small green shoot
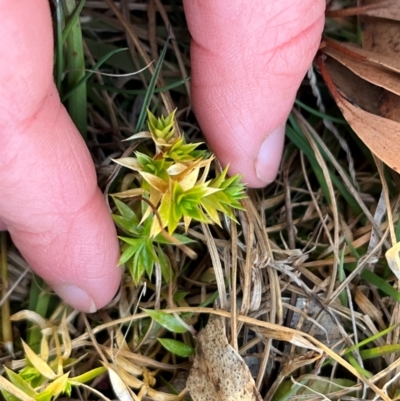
(176, 347)
(173, 186)
(44, 377)
(168, 321)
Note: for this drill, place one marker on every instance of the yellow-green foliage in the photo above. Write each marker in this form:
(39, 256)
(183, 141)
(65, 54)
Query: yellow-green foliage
(174, 186)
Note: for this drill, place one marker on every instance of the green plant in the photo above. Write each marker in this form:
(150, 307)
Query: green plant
(46, 375)
(171, 181)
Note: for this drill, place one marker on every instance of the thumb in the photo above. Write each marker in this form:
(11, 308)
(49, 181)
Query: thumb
(49, 200)
(248, 60)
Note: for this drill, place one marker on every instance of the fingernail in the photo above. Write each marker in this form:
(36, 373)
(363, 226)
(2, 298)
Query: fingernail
(76, 297)
(269, 155)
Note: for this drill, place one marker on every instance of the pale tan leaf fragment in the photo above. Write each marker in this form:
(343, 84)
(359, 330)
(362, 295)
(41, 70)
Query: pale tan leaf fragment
(44, 349)
(160, 396)
(14, 390)
(129, 162)
(130, 193)
(119, 387)
(290, 337)
(393, 259)
(156, 182)
(128, 366)
(219, 372)
(38, 362)
(63, 330)
(139, 135)
(176, 168)
(32, 317)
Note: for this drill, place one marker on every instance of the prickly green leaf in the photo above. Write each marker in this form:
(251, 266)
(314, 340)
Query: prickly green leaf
(31, 375)
(183, 239)
(162, 127)
(135, 242)
(165, 265)
(176, 347)
(126, 254)
(125, 211)
(166, 320)
(138, 266)
(127, 224)
(182, 152)
(149, 257)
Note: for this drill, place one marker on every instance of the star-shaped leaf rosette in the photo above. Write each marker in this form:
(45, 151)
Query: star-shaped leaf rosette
(172, 181)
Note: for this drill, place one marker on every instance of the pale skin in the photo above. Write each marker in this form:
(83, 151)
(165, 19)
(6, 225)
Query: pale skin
(248, 59)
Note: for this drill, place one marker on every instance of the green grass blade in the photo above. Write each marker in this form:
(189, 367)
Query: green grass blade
(77, 102)
(165, 88)
(296, 136)
(72, 20)
(59, 62)
(373, 278)
(380, 351)
(39, 302)
(319, 114)
(84, 79)
(150, 90)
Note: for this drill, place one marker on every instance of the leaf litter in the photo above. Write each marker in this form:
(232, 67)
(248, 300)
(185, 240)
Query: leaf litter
(306, 294)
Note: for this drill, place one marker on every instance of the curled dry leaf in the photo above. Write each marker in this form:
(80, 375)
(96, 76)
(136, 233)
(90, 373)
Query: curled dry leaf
(219, 372)
(365, 84)
(388, 9)
(381, 135)
(367, 70)
(32, 317)
(120, 389)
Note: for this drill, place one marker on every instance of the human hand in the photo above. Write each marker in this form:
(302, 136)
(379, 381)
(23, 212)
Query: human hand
(248, 59)
(49, 199)
(245, 74)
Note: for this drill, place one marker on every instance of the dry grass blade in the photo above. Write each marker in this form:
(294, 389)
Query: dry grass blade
(14, 390)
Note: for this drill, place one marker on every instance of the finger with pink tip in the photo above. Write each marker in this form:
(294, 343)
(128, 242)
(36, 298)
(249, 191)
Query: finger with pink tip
(50, 202)
(248, 60)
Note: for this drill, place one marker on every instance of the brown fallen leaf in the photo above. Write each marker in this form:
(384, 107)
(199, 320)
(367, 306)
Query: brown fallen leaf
(219, 372)
(372, 73)
(388, 9)
(381, 135)
(381, 36)
(370, 55)
(365, 81)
